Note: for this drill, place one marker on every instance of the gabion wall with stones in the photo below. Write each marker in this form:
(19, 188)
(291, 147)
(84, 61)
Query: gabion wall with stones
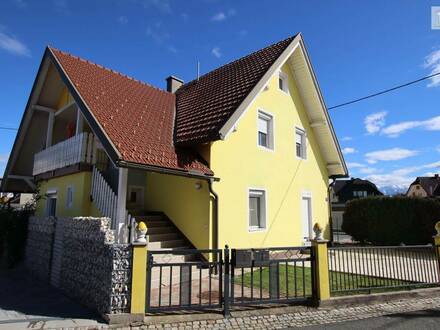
(88, 266)
(38, 252)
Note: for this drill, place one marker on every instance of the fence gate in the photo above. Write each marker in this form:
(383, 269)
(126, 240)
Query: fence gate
(184, 280)
(271, 275)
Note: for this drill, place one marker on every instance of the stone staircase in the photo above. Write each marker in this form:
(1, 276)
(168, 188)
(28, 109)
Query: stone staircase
(163, 235)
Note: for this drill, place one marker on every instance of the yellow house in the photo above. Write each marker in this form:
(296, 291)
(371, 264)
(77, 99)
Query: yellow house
(240, 156)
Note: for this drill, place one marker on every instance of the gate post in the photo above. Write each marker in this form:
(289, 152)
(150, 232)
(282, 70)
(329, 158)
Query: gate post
(139, 278)
(226, 311)
(321, 272)
(437, 243)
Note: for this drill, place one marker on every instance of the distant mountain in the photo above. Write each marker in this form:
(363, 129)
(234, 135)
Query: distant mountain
(393, 190)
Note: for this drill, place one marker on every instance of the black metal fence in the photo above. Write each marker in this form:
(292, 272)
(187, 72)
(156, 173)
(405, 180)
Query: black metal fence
(369, 269)
(272, 275)
(184, 279)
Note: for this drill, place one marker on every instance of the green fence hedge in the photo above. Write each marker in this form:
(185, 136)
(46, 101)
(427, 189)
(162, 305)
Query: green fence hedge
(392, 220)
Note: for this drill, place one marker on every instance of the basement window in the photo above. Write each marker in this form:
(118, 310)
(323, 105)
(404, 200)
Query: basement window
(257, 209)
(265, 130)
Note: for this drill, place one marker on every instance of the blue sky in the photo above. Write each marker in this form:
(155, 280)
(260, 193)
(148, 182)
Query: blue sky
(356, 48)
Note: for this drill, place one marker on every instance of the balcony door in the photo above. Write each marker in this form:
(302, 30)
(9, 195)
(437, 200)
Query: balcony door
(306, 217)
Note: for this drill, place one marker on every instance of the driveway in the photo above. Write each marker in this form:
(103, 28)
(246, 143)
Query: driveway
(26, 303)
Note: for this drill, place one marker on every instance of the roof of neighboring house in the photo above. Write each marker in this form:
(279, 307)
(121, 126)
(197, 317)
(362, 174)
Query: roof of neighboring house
(205, 104)
(431, 184)
(137, 118)
(353, 183)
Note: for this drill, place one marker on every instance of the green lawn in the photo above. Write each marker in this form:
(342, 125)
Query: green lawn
(304, 279)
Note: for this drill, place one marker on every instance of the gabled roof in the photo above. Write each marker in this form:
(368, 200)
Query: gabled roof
(431, 184)
(205, 104)
(137, 118)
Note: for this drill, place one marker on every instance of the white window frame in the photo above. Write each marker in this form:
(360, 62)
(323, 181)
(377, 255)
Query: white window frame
(271, 128)
(285, 78)
(303, 133)
(263, 209)
(69, 203)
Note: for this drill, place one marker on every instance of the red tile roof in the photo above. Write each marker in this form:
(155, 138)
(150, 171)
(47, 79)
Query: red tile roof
(137, 118)
(204, 105)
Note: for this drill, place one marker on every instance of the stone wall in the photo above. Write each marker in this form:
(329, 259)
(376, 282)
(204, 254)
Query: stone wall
(38, 252)
(85, 261)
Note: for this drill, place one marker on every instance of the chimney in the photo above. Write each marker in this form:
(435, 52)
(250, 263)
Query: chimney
(173, 84)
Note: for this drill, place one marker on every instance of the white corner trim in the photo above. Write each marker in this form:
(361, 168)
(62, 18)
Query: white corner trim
(240, 111)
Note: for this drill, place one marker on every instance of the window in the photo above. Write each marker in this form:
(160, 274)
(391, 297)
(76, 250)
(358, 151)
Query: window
(359, 193)
(265, 130)
(69, 197)
(300, 143)
(51, 204)
(257, 209)
(283, 82)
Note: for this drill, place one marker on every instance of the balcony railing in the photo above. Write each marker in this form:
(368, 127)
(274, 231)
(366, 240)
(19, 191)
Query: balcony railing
(78, 149)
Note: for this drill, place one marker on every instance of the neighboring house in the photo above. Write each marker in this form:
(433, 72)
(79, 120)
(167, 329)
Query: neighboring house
(425, 186)
(343, 191)
(240, 156)
(15, 200)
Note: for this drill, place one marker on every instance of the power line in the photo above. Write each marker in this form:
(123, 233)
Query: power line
(9, 128)
(384, 91)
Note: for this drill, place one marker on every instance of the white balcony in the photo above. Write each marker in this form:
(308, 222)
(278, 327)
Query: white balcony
(80, 148)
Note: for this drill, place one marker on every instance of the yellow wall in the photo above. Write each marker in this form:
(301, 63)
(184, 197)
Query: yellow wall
(65, 98)
(241, 164)
(187, 207)
(81, 183)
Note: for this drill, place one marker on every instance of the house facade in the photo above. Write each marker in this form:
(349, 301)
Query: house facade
(342, 191)
(240, 156)
(425, 187)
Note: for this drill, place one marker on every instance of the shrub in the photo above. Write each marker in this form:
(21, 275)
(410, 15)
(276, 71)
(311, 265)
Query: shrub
(392, 220)
(13, 232)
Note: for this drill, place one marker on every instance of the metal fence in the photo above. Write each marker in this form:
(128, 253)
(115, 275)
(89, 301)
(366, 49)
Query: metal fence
(369, 269)
(184, 279)
(272, 275)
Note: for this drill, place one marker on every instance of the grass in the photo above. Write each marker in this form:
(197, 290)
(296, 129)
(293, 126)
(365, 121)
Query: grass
(354, 283)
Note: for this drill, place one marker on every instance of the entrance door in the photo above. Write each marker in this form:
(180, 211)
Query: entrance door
(135, 197)
(306, 206)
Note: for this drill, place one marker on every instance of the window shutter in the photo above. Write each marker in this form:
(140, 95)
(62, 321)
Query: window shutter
(263, 125)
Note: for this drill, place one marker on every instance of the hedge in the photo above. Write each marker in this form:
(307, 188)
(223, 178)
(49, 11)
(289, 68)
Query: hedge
(391, 220)
(13, 233)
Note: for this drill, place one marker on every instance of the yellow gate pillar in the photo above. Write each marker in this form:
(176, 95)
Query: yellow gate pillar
(322, 283)
(139, 279)
(437, 240)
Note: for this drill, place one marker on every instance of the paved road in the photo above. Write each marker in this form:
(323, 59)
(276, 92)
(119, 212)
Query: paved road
(420, 320)
(29, 304)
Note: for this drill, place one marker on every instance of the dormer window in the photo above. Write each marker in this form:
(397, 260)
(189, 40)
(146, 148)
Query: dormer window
(283, 82)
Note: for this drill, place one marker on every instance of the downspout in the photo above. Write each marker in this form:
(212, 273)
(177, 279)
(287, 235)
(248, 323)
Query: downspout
(215, 220)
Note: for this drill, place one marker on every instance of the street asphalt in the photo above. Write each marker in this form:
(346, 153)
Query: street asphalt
(419, 320)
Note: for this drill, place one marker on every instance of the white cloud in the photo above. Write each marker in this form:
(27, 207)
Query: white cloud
(163, 6)
(172, 49)
(432, 124)
(60, 5)
(347, 138)
(368, 170)
(216, 52)
(4, 158)
(349, 150)
(432, 62)
(157, 33)
(389, 155)
(375, 121)
(12, 45)
(243, 33)
(438, 148)
(355, 165)
(222, 16)
(123, 19)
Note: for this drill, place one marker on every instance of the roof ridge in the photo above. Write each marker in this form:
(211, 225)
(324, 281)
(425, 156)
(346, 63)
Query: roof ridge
(107, 69)
(236, 60)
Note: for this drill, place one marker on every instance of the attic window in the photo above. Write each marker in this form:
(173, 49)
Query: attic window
(265, 130)
(283, 82)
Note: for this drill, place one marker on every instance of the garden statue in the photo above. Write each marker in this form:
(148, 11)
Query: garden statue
(141, 231)
(317, 229)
